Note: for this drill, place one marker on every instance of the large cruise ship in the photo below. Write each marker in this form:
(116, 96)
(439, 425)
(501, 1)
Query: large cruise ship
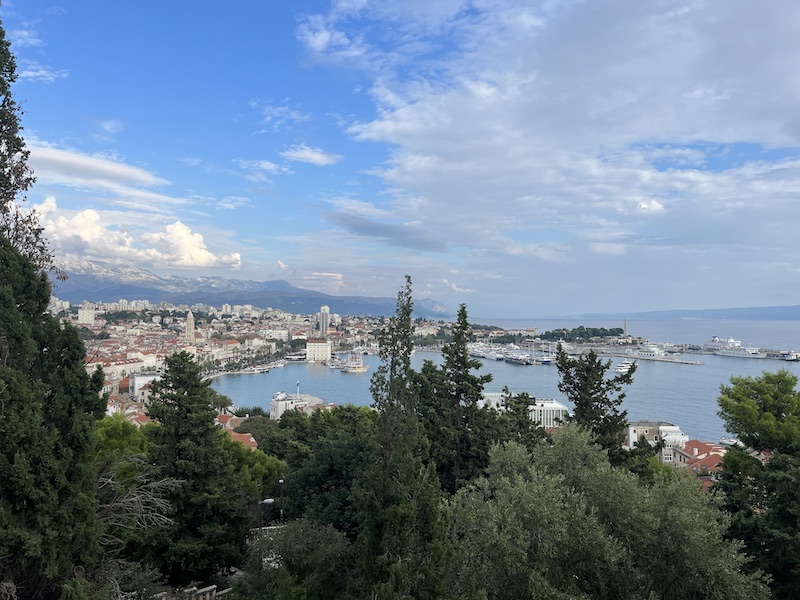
(732, 347)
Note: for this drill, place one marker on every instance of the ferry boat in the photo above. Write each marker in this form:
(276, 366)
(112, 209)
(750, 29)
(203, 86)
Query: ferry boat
(732, 347)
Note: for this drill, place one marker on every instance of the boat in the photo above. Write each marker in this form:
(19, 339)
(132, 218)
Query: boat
(625, 366)
(519, 358)
(653, 352)
(354, 364)
(732, 347)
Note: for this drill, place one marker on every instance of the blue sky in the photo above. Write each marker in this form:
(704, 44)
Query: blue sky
(526, 158)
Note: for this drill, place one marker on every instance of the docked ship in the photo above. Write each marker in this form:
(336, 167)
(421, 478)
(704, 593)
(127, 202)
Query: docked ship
(354, 364)
(732, 347)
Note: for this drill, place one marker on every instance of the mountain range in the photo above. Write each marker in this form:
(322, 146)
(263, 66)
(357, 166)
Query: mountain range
(97, 281)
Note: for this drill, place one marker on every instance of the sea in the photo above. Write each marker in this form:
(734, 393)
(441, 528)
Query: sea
(683, 394)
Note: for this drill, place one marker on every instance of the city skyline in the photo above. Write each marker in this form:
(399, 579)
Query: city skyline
(523, 158)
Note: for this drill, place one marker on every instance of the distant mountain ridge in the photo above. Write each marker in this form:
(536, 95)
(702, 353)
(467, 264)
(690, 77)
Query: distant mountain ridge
(752, 313)
(103, 282)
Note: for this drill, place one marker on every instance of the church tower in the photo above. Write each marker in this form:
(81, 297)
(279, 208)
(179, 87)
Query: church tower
(189, 335)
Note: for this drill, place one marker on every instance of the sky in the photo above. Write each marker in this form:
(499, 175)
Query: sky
(525, 158)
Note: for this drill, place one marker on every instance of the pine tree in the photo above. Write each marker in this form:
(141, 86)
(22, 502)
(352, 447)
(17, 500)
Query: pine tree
(209, 509)
(460, 431)
(596, 399)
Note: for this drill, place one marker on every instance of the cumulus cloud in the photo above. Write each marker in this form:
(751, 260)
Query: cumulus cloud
(85, 234)
(313, 156)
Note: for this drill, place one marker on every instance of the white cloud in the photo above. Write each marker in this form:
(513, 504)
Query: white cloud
(277, 117)
(71, 166)
(112, 126)
(455, 288)
(85, 234)
(183, 248)
(233, 202)
(330, 283)
(258, 171)
(21, 38)
(30, 70)
(308, 154)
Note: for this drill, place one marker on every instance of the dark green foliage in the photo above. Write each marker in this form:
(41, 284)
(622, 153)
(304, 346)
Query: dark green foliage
(596, 399)
(515, 420)
(21, 228)
(459, 430)
(209, 509)
(761, 485)
(251, 411)
(763, 412)
(562, 523)
(303, 560)
(321, 488)
(48, 405)
(581, 334)
(401, 541)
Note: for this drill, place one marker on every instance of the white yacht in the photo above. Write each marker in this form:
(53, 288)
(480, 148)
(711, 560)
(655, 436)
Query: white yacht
(624, 366)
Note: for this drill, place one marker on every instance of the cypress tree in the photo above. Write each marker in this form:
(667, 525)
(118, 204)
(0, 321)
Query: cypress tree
(48, 404)
(401, 544)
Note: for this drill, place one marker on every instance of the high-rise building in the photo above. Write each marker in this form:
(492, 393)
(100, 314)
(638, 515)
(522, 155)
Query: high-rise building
(324, 318)
(86, 315)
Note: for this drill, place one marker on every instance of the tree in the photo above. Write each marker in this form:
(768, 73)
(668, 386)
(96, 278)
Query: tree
(48, 405)
(321, 488)
(760, 478)
(305, 560)
(763, 412)
(19, 226)
(515, 420)
(131, 497)
(595, 398)
(209, 509)
(459, 429)
(401, 545)
(561, 522)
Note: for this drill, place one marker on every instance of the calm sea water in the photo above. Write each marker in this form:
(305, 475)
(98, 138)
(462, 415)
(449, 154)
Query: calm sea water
(682, 394)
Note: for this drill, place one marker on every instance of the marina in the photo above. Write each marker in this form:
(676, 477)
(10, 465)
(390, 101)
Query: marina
(682, 393)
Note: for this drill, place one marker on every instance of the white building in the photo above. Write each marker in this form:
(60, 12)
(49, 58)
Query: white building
(86, 315)
(548, 412)
(654, 432)
(545, 411)
(281, 402)
(318, 350)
